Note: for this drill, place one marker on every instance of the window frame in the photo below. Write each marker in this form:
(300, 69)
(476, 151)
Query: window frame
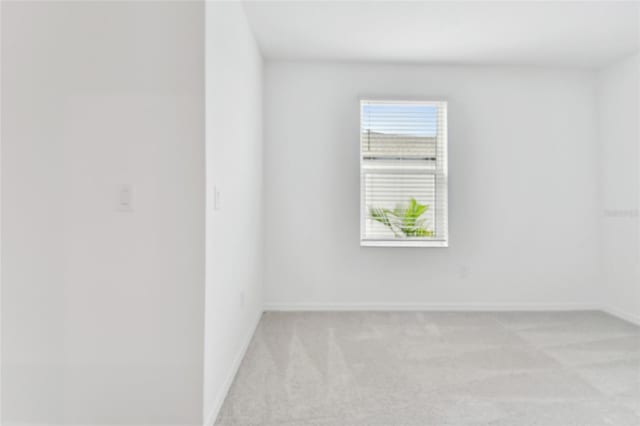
(443, 171)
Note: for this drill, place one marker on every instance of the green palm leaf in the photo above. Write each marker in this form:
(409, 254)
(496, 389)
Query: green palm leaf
(404, 220)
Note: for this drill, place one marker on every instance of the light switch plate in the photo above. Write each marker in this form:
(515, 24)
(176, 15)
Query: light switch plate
(217, 198)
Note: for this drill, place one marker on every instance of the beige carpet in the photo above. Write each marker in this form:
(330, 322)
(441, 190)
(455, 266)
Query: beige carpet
(419, 368)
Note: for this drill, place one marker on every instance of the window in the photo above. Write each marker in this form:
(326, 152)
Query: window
(403, 172)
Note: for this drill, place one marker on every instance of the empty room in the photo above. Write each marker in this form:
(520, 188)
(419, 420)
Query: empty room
(306, 213)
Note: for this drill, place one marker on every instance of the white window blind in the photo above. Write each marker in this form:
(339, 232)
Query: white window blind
(403, 170)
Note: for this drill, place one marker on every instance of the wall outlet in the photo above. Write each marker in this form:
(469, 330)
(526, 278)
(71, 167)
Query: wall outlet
(124, 198)
(464, 271)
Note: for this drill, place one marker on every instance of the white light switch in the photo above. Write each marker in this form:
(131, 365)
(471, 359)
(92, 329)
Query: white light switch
(217, 198)
(124, 202)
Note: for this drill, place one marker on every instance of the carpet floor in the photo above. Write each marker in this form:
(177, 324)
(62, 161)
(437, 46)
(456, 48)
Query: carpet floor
(438, 368)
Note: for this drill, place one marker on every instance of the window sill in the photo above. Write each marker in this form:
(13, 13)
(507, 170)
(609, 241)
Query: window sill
(402, 243)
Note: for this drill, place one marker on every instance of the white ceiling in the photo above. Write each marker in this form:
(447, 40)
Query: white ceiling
(560, 33)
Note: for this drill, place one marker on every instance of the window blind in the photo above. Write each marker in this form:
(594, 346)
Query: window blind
(403, 169)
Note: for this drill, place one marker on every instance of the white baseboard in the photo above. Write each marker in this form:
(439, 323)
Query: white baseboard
(477, 307)
(634, 319)
(213, 415)
(19, 423)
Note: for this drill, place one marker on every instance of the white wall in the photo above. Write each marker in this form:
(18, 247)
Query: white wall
(102, 311)
(234, 165)
(619, 134)
(524, 212)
